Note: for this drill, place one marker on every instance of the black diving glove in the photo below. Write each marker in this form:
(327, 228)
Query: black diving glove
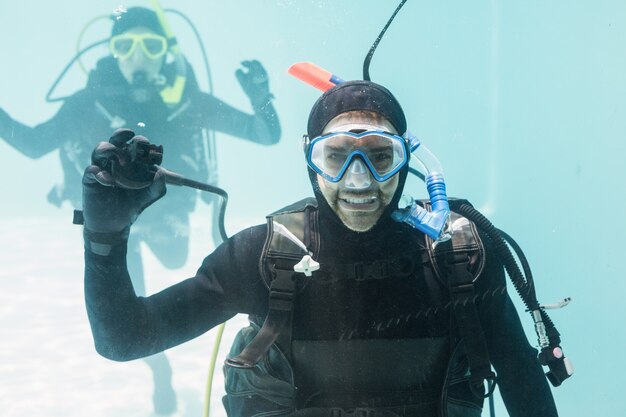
(121, 182)
(254, 83)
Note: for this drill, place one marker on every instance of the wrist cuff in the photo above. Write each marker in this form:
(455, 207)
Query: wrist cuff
(101, 243)
(262, 102)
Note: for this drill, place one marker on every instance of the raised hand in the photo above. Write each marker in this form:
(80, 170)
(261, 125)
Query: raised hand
(254, 82)
(121, 182)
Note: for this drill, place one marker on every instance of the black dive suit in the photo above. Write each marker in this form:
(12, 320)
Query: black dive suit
(91, 114)
(361, 341)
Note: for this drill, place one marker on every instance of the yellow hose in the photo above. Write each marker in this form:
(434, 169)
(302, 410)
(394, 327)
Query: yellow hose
(80, 38)
(169, 34)
(209, 381)
(174, 93)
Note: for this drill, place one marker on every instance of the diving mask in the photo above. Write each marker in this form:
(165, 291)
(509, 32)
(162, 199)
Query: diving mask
(123, 46)
(330, 155)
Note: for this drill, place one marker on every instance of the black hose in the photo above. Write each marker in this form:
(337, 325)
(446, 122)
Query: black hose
(522, 258)
(67, 67)
(370, 54)
(525, 291)
(223, 197)
(176, 179)
(503, 252)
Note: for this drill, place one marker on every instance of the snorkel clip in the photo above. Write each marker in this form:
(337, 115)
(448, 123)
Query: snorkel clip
(434, 223)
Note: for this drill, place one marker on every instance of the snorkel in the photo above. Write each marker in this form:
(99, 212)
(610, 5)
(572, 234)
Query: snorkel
(172, 94)
(315, 76)
(435, 223)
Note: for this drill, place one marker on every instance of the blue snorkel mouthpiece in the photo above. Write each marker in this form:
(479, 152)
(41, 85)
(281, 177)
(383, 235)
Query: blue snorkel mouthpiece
(434, 223)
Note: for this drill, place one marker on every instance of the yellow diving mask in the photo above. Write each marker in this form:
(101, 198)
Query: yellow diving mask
(124, 45)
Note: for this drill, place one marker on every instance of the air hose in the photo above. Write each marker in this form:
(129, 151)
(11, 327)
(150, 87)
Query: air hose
(524, 288)
(209, 382)
(80, 39)
(67, 67)
(550, 353)
(522, 258)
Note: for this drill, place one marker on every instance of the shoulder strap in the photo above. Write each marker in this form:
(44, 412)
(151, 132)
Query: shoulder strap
(459, 263)
(276, 324)
(291, 234)
(465, 239)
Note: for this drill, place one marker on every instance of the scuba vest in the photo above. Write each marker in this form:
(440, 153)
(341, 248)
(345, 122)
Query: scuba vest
(420, 366)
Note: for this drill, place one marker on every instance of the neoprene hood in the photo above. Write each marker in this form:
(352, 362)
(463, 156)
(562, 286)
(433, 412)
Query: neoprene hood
(353, 96)
(135, 17)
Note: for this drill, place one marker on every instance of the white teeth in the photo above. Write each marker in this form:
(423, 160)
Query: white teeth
(360, 200)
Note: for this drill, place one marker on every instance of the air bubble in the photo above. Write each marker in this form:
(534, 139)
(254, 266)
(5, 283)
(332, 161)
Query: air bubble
(119, 11)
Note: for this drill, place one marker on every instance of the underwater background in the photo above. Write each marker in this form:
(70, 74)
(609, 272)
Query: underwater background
(523, 102)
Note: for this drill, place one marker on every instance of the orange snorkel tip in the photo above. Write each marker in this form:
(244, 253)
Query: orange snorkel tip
(313, 75)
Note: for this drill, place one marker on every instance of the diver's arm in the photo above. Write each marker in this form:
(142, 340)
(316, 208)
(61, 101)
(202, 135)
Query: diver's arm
(33, 142)
(265, 127)
(521, 380)
(262, 127)
(127, 327)
(254, 81)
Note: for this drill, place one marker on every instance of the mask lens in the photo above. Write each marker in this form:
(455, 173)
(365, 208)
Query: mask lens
(383, 153)
(154, 46)
(122, 46)
(330, 156)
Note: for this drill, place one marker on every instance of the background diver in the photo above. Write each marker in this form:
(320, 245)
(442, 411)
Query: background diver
(137, 86)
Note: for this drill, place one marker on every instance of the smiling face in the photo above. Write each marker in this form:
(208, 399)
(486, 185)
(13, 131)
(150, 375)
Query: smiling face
(358, 199)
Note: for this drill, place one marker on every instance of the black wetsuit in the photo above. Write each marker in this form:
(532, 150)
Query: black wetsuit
(229, 281)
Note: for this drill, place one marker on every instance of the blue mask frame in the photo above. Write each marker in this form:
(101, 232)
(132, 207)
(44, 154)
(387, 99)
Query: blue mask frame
(358, 153)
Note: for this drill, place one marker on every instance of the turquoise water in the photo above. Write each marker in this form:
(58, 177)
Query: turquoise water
(522, 101)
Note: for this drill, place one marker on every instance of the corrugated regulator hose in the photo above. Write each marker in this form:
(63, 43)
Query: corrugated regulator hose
(524, 288)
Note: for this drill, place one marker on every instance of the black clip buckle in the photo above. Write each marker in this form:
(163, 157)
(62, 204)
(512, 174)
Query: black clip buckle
(477, 386)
